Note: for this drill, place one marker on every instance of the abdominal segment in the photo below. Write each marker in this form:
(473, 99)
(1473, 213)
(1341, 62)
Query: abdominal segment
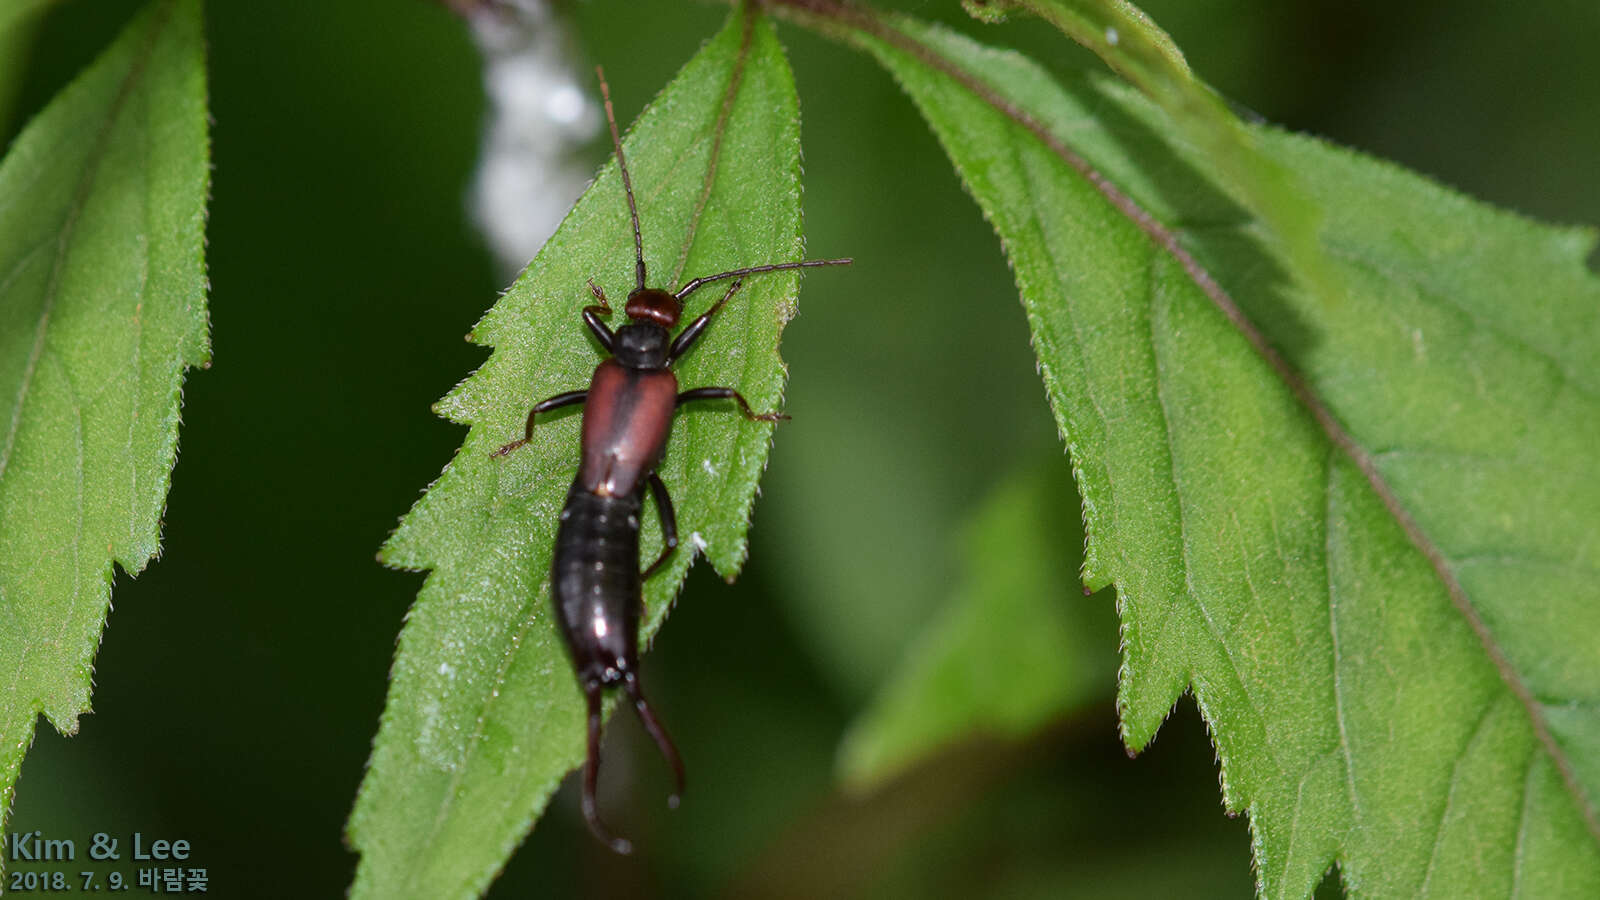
(596, 583)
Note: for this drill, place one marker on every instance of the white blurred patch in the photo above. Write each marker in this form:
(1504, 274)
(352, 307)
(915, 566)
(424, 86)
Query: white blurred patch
(539, 115)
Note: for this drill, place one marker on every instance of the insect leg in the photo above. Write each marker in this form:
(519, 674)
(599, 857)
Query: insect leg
(592, 314)
(556, 402)
(688, 336)
(725, 393)
(669, 523)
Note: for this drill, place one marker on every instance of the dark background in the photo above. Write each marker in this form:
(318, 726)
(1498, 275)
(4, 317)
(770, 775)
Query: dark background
(241, 677)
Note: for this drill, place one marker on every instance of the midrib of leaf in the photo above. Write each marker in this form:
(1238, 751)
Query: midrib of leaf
(717, 132)
(1147, 57)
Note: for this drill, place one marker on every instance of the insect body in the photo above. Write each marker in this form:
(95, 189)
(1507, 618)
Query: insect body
(628, 411)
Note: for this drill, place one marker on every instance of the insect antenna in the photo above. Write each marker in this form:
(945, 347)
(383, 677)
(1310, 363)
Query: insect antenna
(696, 284)
(659, 734)
(591, 777)
(627, 185)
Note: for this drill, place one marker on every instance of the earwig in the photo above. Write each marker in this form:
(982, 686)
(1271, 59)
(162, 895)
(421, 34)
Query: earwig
(627, 417)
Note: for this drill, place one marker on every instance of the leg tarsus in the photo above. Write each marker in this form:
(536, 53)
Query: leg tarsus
(591, 318)
(599, 293)
(508, 448)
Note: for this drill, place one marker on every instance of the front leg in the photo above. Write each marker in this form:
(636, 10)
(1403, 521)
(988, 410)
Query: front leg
(725, 393)
(592, 314)
(691, 334)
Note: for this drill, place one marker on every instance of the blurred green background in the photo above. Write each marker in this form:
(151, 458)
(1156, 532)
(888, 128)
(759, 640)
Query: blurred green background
(241, 677)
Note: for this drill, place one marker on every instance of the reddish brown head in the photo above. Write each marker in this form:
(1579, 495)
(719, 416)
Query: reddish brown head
(654, 305)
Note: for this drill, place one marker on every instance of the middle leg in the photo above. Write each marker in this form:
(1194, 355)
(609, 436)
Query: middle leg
(669, 523)
(727, 393)
(556, 402)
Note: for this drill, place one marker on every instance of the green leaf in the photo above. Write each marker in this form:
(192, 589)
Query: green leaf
(1360, 532)
(1121, 34)
(102, 307)
(484, 717)
(1131, 43)
(16, 14)
(19, 19)
(1018, 647)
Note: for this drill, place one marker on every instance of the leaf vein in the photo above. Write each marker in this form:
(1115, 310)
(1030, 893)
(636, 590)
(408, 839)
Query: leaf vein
(1329, 536)
(1441, 299)
(1294, 823)
(1450, 795)
(1522, 826)
(91, 168)
(1153, 296)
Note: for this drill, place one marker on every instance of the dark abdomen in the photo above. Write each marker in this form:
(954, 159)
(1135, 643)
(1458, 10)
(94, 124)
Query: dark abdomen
(595, 582)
